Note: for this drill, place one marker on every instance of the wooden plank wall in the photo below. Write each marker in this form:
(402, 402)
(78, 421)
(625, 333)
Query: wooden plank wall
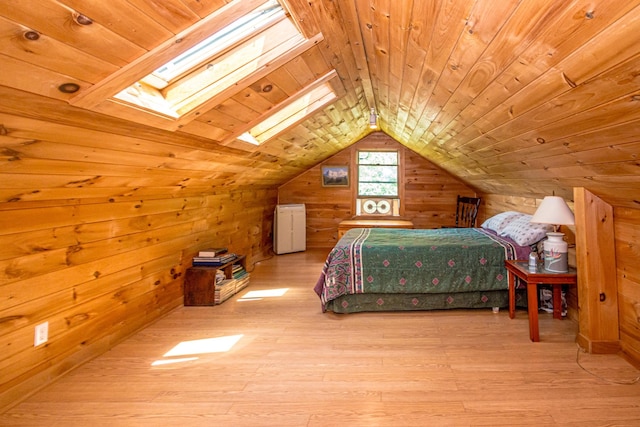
(429, 192)
(99, 267)
(627, 238)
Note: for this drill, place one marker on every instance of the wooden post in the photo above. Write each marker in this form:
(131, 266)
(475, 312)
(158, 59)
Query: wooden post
(597, 283)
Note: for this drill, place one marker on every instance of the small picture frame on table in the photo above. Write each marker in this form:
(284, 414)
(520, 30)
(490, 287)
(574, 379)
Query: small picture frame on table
(335, 176)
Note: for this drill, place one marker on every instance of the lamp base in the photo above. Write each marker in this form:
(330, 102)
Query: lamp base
(555, 253)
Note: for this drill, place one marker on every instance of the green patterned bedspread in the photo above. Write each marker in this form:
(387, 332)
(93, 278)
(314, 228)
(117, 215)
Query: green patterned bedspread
(402, 261)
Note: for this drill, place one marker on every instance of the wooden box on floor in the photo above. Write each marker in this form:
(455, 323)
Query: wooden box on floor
(200, 286)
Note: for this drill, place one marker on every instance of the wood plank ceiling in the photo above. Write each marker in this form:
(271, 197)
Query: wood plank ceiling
(523, 97)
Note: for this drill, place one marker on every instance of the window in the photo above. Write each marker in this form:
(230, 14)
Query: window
(232, 34)
(234, 53)
(377, 174)
(293, 111)
(247, 40)
(378, 191)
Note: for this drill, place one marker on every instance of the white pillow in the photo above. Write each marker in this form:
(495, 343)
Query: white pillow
(498, 222)
(524, 232)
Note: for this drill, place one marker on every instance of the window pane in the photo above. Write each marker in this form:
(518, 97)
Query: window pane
(232, 33)
(377, 158)
(377, 189)
(378, 173)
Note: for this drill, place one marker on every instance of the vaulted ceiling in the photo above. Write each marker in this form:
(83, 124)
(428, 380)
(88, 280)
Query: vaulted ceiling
(523, 97)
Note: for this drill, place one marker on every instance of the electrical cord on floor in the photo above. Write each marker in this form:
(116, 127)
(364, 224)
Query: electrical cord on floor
(253, 265)
(629, 382)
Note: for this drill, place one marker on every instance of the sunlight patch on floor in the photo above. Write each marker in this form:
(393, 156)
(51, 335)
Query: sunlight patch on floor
(267, 293)
(173, 361)
(203, 346)
(207, 345)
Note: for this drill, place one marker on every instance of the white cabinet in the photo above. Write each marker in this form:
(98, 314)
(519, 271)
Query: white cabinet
(290, 229)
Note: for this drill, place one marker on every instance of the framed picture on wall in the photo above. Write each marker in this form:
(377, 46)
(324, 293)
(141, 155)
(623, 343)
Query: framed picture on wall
(335, 176)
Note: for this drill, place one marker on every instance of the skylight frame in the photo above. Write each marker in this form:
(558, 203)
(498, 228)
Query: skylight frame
(233, 66)
(302, 36)
(215, 45)
(144, 94)
(293, 111)
(297, 111)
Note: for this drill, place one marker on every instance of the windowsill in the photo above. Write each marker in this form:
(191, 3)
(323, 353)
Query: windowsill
(348, 224)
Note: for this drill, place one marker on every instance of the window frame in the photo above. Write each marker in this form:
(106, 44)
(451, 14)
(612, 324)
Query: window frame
(194, 86)
(400, 183)
(228, 37)
(397, 165)
(284, 37)
(291, 112)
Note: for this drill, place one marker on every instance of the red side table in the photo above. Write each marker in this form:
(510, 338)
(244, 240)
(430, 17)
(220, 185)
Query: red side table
(532, 279)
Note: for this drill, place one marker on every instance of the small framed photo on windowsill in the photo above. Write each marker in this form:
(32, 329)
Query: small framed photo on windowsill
(335, 176)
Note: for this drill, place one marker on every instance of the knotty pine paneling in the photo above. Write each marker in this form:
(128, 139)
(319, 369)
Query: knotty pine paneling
(510, 97)
(627, 235)
(429, 192)
(97, 229)
(107, 271)
(516, 98)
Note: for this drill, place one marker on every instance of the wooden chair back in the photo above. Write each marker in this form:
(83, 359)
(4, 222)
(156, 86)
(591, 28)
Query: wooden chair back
(467, 211)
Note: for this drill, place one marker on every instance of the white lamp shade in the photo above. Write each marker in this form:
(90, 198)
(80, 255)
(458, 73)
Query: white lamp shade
(553, 210)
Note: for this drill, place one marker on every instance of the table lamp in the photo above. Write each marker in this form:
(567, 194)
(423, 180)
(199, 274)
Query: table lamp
(555, 211)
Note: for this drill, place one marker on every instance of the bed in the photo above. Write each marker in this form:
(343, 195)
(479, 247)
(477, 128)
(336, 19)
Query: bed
(380, 269)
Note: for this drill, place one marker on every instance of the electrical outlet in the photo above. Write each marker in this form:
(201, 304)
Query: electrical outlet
(42, 334)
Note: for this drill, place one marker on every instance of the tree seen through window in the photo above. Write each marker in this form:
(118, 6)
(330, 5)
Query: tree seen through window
(377, 174)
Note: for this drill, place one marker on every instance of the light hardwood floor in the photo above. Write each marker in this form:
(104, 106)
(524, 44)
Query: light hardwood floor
(292, 365)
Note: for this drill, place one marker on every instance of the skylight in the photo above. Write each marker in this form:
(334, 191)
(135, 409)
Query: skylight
(233, 33)
(233, 53)
(183, 80)
(296, 111)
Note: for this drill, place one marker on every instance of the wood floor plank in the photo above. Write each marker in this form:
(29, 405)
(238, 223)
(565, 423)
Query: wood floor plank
(288, 364)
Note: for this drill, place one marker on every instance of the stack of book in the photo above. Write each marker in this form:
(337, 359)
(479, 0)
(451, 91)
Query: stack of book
(220, 276)
(240, 276)
(224, 290)
(213, 257)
